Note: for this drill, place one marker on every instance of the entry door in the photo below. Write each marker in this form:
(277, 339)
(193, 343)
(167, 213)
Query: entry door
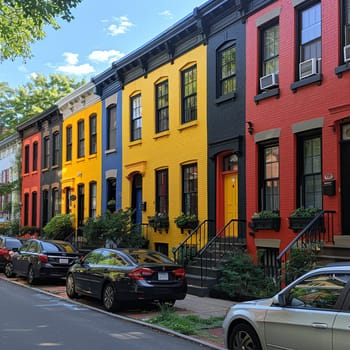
(137, 198)
(231, 196)
(345, 186)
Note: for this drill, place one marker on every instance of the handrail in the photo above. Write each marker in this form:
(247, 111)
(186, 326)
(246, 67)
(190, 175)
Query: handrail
(320, 229)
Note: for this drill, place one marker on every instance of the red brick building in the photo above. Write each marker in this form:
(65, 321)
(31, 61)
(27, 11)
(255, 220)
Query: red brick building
(298, 114)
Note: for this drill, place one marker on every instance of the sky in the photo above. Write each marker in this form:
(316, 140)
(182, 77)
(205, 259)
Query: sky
(102, 32)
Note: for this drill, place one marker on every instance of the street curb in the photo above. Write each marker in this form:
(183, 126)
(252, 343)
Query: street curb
(121, 317)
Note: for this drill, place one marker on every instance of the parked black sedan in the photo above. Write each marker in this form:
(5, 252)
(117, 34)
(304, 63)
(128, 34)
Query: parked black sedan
(116, 276)
(43, 259)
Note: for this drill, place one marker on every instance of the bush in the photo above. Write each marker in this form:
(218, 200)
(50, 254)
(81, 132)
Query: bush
(116, 227)
(242, 278)
(59, 227)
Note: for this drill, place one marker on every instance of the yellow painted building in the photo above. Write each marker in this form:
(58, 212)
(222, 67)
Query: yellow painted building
(165, 138)
(81, 154)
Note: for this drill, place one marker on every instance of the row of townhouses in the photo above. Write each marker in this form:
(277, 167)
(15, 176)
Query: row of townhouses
(243, 106)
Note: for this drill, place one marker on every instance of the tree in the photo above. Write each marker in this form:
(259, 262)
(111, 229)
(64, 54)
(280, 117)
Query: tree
(40, 93)
(22, 23)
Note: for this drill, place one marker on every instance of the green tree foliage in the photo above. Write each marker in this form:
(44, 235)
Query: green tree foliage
(22, 23)
(40, 93)
(59, 227)
(116, 227)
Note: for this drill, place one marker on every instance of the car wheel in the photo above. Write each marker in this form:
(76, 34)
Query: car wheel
(243, 337)
(8, 269)
(109, 298)
(70, 287)
(31, 275)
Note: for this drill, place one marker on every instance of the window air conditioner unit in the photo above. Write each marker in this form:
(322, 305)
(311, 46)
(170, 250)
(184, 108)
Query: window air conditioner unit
(269, 81)
(347, 53)
(307, 68)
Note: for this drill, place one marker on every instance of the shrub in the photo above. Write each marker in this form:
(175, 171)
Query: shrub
(116, 227)
(241, 277)
(59, 227)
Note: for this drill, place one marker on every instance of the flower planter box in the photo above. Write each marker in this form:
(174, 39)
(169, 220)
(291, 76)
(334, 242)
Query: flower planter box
(266, 223)
(298, 223)
(189, 225)
(159, 222)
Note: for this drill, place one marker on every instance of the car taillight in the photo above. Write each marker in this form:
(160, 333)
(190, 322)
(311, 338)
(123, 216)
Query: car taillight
(140, 273)
(180, 274)
(43, 258)
(4, 251)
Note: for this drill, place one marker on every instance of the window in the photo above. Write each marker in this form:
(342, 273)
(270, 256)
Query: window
(112, 127)
(56, 148)
(69, 143)
(189, 94)
(45, 216)
(345, 29)
(227, 66)
(162, 106)
(310, 32)
(92, 200)
(26, 209)
(46, 159)
(136, 117)
(190, 189)
(269, 177)
(34, 208)
(35, 156)
(269, 49)
(55, 202)
(26, 159)
(93, 135)
(81, 139)
(162, 192)
(309, 172)
(320, 291)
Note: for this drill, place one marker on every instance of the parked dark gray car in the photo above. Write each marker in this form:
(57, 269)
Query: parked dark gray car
(43, 259)
(116, 276)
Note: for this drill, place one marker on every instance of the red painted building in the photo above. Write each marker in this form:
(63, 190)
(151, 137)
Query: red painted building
(31, 172)
(298, 114)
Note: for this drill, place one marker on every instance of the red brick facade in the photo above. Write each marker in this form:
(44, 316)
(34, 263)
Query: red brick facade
(325, 103)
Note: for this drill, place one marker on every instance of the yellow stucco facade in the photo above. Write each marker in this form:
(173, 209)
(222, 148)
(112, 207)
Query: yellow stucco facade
(181, 144)
(81, 173)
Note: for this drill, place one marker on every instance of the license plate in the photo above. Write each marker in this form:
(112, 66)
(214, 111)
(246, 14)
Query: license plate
(163, 276)
(64, 261)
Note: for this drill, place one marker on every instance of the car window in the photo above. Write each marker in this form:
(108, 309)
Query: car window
(147, 257)
(24, 247)
(55, 247)
(321, 291)
(111, 258)
(12, 243)
(33, 247)
(93, 257)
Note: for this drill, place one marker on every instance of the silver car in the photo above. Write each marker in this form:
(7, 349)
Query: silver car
(312, 313)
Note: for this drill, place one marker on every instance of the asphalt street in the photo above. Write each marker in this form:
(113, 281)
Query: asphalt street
(30, 319)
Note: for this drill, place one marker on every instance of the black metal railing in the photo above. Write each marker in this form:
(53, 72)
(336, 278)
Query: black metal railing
(227, 240)
(319, 231)
(190, 247)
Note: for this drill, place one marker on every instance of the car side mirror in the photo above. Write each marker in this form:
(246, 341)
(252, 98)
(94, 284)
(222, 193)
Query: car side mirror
(279, 300)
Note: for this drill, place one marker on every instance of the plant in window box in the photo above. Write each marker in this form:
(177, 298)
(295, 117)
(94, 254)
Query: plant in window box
(111, 205)
(185, 221)
(159, 221)
(266, 220)
(300, 217)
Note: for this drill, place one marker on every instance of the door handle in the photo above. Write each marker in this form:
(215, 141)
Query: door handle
(320, 325)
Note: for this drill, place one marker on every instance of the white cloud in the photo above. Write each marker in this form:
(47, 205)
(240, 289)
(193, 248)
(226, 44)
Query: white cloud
(105, 55)
(166, 13)
(71, 58)
(123, 25)
(77, 70)
(22, 69)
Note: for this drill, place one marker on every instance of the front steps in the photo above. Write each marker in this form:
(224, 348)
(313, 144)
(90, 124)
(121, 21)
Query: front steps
(337, 253)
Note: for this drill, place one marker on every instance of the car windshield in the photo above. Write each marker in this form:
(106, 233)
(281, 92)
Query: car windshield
(146, 257)
(11, 243)
(54, 247)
